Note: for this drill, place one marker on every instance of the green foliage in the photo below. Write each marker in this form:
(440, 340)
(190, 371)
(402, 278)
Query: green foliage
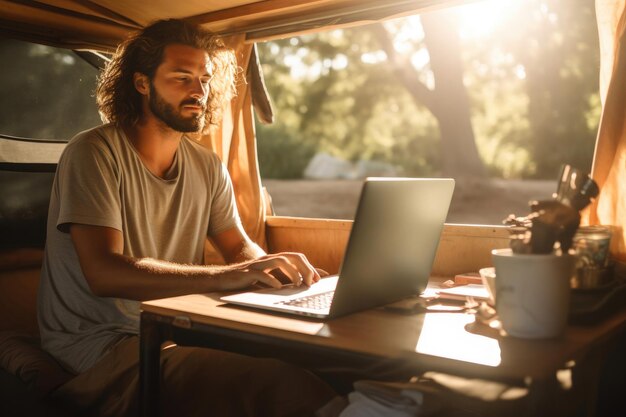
(533, 88)
(355, 112)
(282, 154)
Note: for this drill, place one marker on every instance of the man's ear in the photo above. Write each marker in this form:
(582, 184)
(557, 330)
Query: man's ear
(142, 83)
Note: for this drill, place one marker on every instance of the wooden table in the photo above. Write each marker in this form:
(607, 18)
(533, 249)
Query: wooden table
(446, 342)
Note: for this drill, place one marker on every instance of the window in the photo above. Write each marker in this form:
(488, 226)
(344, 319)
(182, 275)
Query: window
(45, 92)
(499, 99)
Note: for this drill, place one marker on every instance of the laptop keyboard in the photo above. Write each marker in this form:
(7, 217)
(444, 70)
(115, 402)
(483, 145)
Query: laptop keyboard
(319, 301)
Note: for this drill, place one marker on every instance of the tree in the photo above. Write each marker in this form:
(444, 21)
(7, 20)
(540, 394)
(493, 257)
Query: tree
(518, 103)
(560, 55)
(341, 103)
(448, 101)
(551, 115)
(390, 82)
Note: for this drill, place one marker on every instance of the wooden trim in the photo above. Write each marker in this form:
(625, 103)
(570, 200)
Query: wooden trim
(93, 25)
(308, 223)
(61, 27)
(265, 20)
(462, 248)
(14, 259)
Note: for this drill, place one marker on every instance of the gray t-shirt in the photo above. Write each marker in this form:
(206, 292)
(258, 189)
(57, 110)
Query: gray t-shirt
(102, 181)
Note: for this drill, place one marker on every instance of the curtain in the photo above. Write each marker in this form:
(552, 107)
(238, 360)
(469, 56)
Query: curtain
(235, 143)
(609, 162)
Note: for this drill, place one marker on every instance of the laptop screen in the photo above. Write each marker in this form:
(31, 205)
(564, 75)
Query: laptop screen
(393, 241)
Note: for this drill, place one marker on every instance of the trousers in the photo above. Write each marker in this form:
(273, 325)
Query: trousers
(196, 382)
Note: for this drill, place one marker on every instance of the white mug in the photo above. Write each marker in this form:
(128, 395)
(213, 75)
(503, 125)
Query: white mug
(532, 292)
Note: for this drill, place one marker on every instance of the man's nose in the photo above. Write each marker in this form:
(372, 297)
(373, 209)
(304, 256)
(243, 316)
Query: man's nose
(199, 89)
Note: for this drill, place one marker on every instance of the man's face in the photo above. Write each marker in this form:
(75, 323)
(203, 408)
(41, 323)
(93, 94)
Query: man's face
(180, 88)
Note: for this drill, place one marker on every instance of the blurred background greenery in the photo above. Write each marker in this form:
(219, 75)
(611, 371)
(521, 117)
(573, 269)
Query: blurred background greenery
(45, 92)
(499, 88)
(496, 88)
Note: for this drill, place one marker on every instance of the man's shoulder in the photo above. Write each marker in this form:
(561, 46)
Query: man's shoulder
(100, 143)
(96, 134)
(200, 151)
(99, 137)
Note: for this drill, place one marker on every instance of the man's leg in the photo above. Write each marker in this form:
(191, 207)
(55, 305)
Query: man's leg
(197, 381)
(110, 387)
(611, 401)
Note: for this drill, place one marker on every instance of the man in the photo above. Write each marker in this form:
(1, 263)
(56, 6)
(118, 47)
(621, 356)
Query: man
(132, 203)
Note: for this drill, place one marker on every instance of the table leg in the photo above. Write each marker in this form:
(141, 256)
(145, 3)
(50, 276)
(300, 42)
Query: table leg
(542, 397)
(587, 378)
(150, 339)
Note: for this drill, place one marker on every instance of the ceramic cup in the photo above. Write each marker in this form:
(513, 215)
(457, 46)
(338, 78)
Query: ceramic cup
(532, 292)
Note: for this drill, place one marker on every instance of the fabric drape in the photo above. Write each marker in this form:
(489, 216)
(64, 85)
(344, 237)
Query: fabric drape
(235, 143)
(609, 163)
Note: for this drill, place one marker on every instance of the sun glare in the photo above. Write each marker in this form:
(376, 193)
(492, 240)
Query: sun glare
(479, 20)
(458, 343)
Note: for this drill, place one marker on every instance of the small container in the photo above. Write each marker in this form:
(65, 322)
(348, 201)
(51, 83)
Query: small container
(591, 244)
(488, 276)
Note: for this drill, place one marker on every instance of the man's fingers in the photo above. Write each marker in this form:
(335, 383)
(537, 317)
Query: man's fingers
(308, 275)
(265, 278)
(267, 264)
(321, 272)
(295, 266)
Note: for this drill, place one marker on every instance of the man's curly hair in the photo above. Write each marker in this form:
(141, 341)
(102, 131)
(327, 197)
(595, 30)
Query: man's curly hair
(118, 100)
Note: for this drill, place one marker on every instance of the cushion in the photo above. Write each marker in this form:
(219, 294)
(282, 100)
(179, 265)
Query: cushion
(22, 356)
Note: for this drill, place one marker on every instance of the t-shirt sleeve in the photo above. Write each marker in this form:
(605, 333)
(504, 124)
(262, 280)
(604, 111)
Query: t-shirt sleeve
(88, 185)
(224, 213)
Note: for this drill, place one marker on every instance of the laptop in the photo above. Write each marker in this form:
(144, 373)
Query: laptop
(390, 252)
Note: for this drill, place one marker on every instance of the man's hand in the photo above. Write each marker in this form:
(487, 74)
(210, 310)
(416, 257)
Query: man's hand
(294, 266)
(109, 273)
(256, 267)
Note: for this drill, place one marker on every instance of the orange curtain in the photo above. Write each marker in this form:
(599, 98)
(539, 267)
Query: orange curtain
(235, 142)
(609, 163)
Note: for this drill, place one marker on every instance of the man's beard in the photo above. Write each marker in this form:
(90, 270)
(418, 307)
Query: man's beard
(172, 118)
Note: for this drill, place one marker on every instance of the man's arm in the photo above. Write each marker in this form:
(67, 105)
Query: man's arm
(235, 245)
(109, 273)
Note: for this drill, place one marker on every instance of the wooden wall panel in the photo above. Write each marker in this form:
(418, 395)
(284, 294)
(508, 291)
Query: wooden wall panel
(467, 248)
(463, 248)
(322, 241)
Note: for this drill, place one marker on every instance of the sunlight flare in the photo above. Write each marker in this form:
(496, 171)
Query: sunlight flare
(479, 20)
